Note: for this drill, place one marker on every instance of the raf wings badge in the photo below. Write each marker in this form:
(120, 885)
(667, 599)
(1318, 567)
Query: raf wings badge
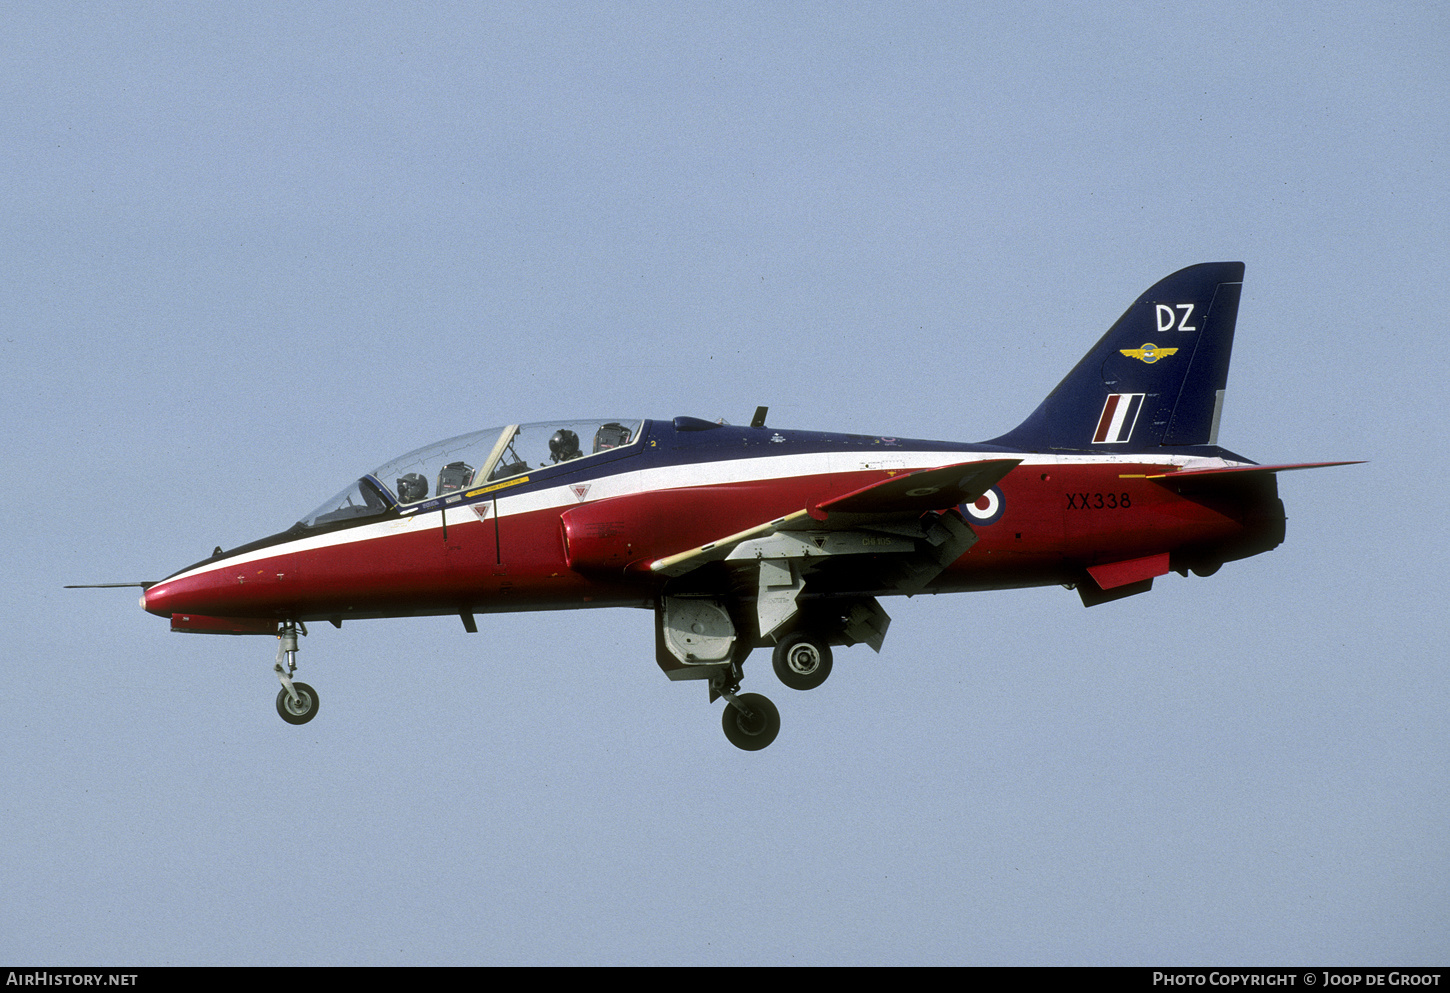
(1149, 353)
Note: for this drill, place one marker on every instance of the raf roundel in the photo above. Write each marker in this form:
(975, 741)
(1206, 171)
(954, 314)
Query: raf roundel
(987, 508)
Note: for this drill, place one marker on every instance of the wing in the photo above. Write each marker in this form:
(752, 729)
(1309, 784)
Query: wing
(892, 507)
(891, 536)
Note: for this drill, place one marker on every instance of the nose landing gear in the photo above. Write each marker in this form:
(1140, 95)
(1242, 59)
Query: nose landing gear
(296, 702)
(750, 720)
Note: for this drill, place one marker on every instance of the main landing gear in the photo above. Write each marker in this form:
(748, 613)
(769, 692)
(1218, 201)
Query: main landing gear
(296, 702)
(802, 660)
(751, 721)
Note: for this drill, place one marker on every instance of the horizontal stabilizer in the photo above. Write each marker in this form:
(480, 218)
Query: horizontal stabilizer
(1246, 469)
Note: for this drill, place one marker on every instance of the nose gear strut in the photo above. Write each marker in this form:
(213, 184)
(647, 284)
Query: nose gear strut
(750, 720)
(296, 701)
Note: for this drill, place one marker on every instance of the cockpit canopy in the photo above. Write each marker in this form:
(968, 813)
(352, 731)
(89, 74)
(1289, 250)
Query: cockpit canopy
(474, 460)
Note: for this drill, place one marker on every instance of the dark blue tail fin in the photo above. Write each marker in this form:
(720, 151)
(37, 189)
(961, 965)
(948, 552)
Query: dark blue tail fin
(1155, 380)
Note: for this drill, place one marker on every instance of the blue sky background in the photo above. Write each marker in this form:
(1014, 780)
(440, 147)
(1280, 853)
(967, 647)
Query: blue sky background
(250, 254)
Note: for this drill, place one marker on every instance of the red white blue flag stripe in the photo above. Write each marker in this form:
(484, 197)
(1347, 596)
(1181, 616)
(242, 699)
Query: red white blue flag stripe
(1120, 413)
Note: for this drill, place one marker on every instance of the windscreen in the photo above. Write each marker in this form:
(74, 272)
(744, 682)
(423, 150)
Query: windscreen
(360, 499)
(471, 460)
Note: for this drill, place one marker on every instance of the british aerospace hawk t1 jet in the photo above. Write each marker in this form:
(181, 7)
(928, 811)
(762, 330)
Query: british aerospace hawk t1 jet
(740, 538)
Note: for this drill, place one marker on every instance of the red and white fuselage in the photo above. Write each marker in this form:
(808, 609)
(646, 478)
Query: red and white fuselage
(746, 537)
(585, 532)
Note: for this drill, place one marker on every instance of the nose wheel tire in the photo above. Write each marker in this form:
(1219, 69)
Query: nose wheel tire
(755, 730)
(298, 711)
(802, 661)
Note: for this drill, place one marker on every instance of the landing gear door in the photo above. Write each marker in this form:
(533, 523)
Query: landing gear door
(694, 637)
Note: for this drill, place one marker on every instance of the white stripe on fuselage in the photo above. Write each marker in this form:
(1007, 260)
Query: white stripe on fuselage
(691, 474)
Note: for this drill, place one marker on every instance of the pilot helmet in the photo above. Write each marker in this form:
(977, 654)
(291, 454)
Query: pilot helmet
(564, 445)
(412, 487)
(454, 476)
(611, 435)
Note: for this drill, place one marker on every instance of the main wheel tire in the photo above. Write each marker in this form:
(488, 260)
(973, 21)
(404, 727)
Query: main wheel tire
(802, 661)
(303, 710)
(755, 731)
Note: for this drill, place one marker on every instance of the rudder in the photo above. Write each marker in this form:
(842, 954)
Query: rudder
(1156, 379)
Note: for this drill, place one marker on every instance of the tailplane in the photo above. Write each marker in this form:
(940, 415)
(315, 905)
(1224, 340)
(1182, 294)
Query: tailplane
(1155, 380)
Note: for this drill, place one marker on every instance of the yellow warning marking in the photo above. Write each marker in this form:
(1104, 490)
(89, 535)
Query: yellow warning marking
(498, 486)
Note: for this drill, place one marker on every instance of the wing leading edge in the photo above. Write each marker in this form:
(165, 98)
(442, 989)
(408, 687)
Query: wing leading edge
(898, 500)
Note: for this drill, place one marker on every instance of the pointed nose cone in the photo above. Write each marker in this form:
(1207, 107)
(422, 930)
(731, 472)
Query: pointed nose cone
(180, 594)
(154, 600)
(232, 587)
